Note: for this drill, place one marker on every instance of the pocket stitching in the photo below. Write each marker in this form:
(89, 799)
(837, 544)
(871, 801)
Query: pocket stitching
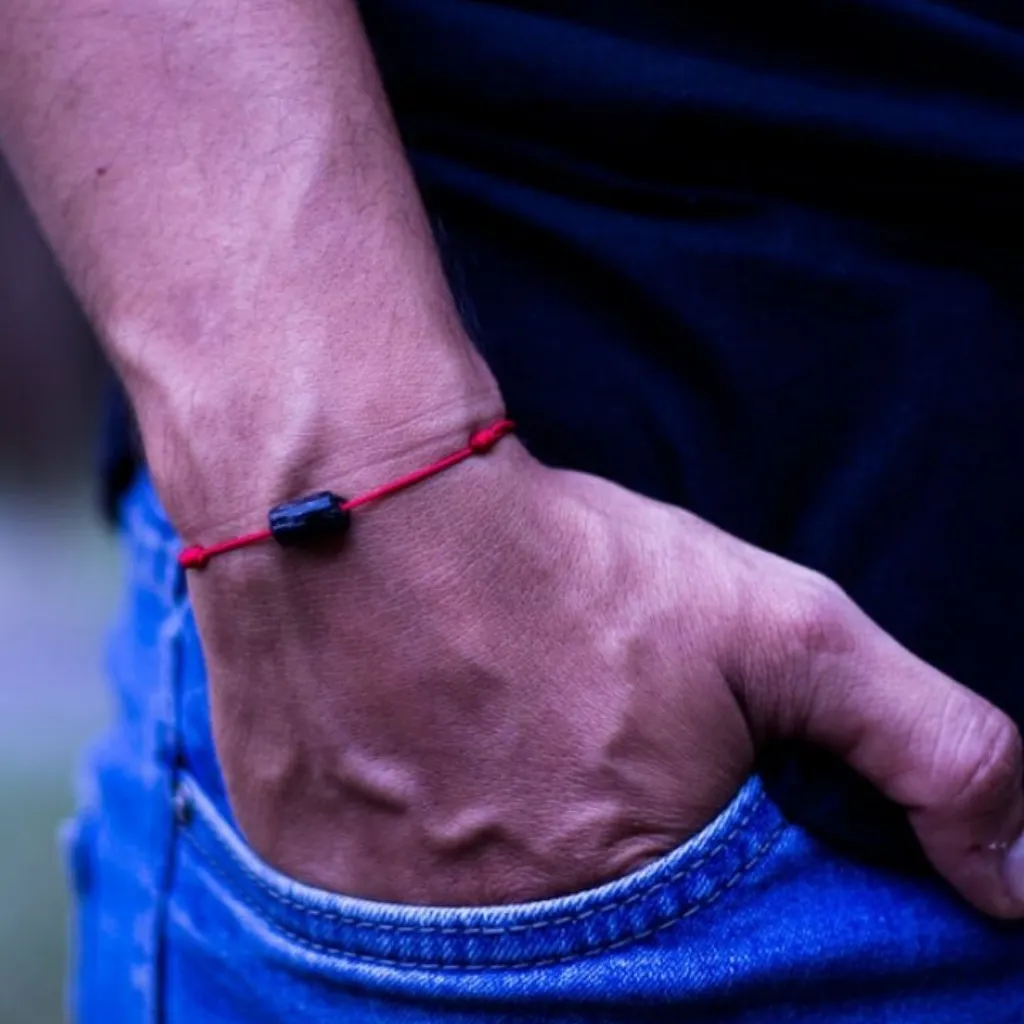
(337, 950)
(319, 947)
(614, 905)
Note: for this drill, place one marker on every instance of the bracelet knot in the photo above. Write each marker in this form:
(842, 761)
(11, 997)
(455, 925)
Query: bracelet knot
(314, 518)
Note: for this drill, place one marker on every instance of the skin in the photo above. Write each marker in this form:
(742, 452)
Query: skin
(512, 681)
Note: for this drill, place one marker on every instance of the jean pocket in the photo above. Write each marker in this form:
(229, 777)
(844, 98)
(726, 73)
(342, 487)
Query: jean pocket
(226, 886)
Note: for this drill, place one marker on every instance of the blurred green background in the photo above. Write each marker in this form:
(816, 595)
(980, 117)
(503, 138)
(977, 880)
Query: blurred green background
(58, 586)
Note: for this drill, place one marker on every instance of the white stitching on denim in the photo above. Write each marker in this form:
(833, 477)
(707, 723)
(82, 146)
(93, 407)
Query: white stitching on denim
(319, 947)
(468, 930)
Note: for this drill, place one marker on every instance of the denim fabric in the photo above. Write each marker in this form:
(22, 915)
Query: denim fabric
(752, 920)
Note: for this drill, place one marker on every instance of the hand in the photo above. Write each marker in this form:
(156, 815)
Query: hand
(514, 682)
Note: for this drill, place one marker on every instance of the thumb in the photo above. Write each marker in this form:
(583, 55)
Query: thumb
(951, 758)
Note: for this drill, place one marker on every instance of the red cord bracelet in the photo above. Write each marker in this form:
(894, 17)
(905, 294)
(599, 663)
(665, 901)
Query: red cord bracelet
(316, 517)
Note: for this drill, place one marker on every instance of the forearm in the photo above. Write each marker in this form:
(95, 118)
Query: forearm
(228, 195)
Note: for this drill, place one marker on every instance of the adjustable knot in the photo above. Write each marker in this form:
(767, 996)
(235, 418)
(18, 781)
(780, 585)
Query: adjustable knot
(195, 557)
(483, 440)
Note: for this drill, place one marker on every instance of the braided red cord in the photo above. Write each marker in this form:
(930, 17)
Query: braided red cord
(480, 442)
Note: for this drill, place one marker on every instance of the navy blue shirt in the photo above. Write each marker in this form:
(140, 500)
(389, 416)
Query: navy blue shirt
(763, 261)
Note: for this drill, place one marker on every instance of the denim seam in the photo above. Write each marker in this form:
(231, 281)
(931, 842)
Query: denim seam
(319, 947)
(610, 906)
(167, 721)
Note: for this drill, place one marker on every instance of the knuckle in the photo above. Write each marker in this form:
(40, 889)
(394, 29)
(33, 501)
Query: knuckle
(985, 764)
(817, 617)
(806, 626)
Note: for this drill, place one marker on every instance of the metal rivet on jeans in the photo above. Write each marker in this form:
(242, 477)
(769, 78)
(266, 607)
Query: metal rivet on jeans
(182, 807)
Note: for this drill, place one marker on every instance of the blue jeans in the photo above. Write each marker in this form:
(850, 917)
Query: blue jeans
(752, 920)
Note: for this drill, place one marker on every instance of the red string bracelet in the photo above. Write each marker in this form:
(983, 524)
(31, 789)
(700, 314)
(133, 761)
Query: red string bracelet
(316, 517)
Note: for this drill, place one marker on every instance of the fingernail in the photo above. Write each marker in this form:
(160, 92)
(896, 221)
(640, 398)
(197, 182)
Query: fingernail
(1013, 870)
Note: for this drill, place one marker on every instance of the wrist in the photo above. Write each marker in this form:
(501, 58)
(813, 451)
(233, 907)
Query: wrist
(403, 559)
(220, 464)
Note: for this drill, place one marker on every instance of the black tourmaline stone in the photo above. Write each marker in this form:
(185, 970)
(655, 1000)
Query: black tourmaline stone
(308, 521)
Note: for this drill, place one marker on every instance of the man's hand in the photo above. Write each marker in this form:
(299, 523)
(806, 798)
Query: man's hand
(515, 682)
